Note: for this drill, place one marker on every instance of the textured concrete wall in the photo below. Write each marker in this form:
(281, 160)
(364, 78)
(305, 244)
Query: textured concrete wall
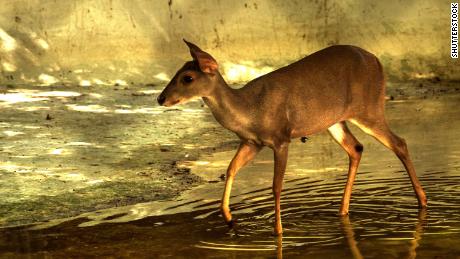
(139, 41)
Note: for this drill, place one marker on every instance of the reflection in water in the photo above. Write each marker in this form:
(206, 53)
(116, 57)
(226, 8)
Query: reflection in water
(350, 236)
(279, 247)
(417, 234)
(414, 242)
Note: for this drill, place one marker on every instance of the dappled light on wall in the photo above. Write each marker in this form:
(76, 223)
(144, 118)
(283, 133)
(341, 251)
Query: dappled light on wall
(141, 41)
(21, 56)
(244, 71)
(8, 42)
(162, 77)
(47, 79)
(85, 83)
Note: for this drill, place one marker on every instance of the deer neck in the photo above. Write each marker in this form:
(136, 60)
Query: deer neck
(228, 106)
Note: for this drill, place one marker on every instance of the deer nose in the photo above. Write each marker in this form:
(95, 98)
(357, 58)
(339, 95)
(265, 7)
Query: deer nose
(161, 99)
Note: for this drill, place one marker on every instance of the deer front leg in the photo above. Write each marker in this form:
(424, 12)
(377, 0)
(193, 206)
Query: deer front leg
(246, 152)
(281, 155)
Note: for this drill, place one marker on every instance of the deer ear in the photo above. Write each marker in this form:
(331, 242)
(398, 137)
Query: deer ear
(206, 62)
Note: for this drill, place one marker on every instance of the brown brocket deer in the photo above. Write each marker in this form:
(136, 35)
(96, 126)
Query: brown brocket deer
(319, 92)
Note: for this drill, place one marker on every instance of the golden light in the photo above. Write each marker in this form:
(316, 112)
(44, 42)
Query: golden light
(88, 108)
(162, 77)
(243, 72)
(9, 67)
(11, 133)
(85, 83)
(46, 79)
(8, 42)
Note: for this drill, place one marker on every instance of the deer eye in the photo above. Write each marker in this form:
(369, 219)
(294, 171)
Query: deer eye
(187, 79)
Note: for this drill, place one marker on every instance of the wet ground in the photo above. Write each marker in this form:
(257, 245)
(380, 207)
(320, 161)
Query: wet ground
(384, 220)
(64, 151)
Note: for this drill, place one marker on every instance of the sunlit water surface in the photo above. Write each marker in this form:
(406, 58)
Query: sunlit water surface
(384, 220)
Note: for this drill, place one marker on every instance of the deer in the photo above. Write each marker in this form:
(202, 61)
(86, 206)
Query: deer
(322, 91)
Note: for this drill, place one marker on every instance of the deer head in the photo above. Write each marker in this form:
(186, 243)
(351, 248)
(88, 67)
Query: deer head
(195, 79)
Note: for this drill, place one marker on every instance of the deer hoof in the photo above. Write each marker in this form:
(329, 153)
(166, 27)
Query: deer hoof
(232, 223)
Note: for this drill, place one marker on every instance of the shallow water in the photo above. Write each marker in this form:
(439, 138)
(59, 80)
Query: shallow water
(384, 220)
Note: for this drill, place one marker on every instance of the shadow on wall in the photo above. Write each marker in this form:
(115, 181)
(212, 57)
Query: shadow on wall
(115, 42)
(85, 42)
(21, 50)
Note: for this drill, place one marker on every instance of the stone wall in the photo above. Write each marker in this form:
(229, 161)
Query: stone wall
(110, 42)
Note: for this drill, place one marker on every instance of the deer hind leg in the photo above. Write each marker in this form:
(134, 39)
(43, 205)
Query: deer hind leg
(354, 149)
(380, 130)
